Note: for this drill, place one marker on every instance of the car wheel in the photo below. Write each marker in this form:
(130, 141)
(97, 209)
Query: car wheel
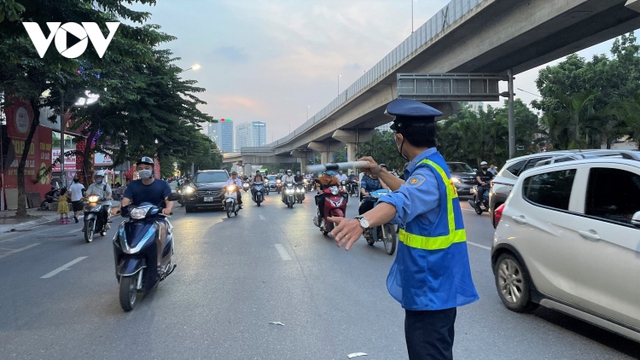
(513, 284)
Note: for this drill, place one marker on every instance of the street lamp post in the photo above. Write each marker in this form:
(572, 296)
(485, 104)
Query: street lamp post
(412, 16)
(308, 112)
(194, 67)
(339, 76)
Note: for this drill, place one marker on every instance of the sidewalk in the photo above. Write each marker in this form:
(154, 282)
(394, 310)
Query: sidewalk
(10, 222)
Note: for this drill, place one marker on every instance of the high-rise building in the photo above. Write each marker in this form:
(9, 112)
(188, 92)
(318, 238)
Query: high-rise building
(221, 133)
(251, 134)
(259, 133)
(243, 136)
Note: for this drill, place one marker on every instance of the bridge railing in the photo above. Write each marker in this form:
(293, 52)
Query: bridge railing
(439, 23)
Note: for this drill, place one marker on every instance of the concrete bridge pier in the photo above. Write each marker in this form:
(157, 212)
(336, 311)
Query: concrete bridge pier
(247, 169)
(303, 158)
(326, 149)
(352, 138)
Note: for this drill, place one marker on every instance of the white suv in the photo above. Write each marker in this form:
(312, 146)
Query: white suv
(502, 184)
(568, 238)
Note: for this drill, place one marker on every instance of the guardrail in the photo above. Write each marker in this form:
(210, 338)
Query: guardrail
(439, 23)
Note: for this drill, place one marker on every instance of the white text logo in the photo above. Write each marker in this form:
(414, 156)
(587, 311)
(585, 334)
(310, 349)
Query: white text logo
(85, 32)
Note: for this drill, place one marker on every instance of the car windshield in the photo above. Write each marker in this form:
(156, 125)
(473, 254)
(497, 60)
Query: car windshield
(271, 177)
(459, 167)
(211, 177)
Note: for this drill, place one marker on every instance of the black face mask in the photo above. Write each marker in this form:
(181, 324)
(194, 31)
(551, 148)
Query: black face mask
(399, 148)
(484, 168)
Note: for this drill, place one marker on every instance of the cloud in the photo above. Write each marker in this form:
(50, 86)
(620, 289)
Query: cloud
(230, 54)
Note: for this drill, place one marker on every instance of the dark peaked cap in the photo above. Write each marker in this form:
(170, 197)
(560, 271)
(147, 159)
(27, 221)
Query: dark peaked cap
(410, 113)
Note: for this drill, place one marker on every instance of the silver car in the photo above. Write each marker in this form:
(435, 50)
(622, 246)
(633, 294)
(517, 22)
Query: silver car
(568, 238)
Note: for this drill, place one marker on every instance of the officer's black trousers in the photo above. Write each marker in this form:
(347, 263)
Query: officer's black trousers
(429, 334)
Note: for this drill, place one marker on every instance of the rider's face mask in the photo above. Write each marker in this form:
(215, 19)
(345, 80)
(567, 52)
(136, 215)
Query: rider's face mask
(98, 180)
(144, 174)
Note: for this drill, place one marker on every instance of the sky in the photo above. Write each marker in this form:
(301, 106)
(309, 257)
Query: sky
(276, 61)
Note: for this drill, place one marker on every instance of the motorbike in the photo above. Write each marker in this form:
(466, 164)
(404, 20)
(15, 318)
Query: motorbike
(300, 191)
(387, 233)
(479, 206)
(245, 186)
(310, 185)
(179, 196)
(266, 187)
(94, 217)
(352, 188)
(143, 251)
(278, 186)
(50, 198)
(289, 195)
(231, 205)
(335, 205)
(258, 193)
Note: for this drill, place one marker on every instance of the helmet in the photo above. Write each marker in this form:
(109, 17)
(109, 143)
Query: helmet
(257, 171)
(99, 173)
(483, 163)
(145, 160)
(330, 172)
(288, 172)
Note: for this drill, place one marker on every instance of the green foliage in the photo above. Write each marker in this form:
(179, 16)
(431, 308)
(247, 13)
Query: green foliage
(582, 100)
(472, 137)
(382, 148)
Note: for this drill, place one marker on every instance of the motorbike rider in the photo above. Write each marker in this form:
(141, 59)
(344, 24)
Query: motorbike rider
(298, 178)
(287, 178)
(147, 189)
(257, 179)
(325, 181)
(369, 184)
(102, 189)
(341, 176)
(234, 180)
(483, 176)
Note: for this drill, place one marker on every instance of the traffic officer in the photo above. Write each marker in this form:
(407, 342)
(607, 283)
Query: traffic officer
(430, 276)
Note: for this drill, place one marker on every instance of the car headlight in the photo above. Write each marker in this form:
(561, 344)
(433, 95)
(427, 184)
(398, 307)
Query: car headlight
(455, 179)
(189, 190)
(139, 212)
(93, 198)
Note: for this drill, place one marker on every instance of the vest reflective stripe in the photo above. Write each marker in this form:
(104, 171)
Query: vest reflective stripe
(437, 242)
(432, 243)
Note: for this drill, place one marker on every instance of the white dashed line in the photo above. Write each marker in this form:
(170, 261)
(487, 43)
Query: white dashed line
(63, 267)
(262, 217)
(480, 246)
(11, 252)
(283, 252)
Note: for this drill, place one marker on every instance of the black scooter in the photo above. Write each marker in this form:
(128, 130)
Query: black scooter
(50, 198)
(142, 251)
(479, 206)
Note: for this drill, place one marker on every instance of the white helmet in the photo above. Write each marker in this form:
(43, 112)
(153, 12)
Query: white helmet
(99, 173)
(483, 163)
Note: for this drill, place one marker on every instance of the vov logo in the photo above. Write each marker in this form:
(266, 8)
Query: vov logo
(85, 32)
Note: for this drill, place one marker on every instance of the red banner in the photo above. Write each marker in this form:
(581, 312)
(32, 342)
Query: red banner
(19, 118)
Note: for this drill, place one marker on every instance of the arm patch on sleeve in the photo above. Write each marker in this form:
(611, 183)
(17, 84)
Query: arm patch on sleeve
(416, 180)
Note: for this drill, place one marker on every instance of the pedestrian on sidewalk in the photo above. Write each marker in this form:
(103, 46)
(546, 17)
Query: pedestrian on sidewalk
(76, 190)
(63, 206)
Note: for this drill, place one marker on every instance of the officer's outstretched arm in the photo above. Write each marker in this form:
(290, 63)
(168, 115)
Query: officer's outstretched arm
(382, 214)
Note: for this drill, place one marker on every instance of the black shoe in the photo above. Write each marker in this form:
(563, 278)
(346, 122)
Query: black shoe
(76, 219)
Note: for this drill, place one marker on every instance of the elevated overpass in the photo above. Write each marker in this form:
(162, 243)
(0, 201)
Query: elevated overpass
(494, 37)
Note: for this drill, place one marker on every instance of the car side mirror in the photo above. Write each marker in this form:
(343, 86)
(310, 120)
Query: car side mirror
(174, 197)
(635, 220)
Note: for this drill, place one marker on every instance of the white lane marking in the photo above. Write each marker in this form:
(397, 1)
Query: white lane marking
(480, 246)
(283, 252)
(63, 267)
(76, 230)
(262, 217)
(18, 250)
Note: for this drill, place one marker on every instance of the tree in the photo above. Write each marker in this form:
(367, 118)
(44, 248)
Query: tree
(382, 148)
(25, 75)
